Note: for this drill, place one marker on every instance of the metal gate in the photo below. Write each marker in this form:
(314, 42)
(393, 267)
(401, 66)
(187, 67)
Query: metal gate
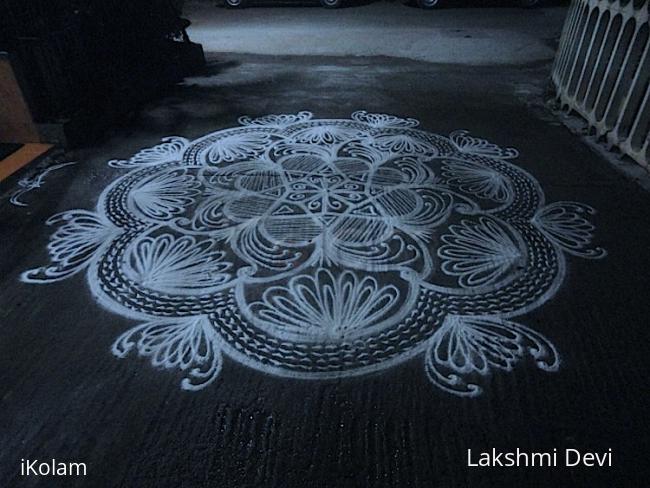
(602, 71)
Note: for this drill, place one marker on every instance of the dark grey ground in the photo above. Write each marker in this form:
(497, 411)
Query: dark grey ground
(493, 34)
(64, 395)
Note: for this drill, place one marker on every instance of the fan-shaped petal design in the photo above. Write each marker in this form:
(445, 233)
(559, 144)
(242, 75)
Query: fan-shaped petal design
(383, 120)
(237, 146)
(565, 224)
(325, 134)
(325, 305)
(473, 145)
(171, 149)
(478, 253)
(186, 343)
(177, 265)
(481, 181)
(165, 195)
(278, 121)
(468, 347)
(403, 144)
(73, 245)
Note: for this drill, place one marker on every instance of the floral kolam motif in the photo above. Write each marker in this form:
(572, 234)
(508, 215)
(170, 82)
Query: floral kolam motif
(323, 249)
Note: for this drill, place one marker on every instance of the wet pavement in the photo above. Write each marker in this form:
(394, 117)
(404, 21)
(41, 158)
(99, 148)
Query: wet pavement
(238, 369)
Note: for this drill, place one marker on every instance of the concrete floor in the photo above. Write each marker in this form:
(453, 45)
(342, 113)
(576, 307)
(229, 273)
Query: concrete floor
(65, 396)
(458, 35)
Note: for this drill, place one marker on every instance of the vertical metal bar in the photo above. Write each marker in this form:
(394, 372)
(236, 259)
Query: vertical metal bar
(587, 54)
(599, 57)
(569, 24)
(595, 71)
(628, 95)
(608, 70)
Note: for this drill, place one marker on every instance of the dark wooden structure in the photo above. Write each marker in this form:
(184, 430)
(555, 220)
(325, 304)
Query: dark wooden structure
(85, 63)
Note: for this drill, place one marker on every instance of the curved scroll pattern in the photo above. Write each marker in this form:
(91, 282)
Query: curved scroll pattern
(321, 248)
(566, 224)
(78, 239)
(188, 343)
(473, 145)
(171, 149)
(465, 348)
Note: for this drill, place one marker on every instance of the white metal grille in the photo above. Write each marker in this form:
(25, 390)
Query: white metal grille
(602, 71)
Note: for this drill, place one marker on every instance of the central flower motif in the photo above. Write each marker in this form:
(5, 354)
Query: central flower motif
(324, 248)
(303, 195)
(341, 203)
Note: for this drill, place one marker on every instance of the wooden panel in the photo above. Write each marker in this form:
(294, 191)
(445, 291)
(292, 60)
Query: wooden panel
(16, 123)
(22, 157)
